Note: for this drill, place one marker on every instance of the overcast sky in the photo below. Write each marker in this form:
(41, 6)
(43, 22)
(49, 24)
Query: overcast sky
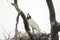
(38, 9)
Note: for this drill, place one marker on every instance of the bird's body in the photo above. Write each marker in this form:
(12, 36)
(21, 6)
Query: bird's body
(32, 23)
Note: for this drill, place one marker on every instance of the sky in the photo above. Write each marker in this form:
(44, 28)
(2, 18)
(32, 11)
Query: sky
(38, 9)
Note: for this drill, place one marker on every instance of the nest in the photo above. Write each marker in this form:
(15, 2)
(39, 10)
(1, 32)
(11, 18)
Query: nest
(37, 36)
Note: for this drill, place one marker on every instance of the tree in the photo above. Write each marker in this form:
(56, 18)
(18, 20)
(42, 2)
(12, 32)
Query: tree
(55, 26)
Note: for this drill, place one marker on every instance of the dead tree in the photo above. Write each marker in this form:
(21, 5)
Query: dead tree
(20, 12)
(55, 26)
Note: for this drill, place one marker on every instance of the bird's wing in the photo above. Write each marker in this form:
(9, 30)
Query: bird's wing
(33, 24)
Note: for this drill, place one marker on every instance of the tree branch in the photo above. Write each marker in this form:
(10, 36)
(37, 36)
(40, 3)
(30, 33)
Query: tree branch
(20, 12)
(5, 35)
(51, 10)
(54, 24)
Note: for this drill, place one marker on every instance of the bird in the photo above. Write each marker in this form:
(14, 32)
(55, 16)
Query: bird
(32, 23)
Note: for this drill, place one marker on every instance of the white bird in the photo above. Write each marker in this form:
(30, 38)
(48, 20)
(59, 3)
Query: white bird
(32, 23)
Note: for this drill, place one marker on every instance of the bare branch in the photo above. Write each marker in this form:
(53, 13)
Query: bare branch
(54, 24)
(5, 35)
(10, 2)
(20, 12)
(51, 10)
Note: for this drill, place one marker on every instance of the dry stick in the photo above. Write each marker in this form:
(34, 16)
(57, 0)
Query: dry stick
(54, 24)
(20, 12)
(4, 31)
(4, 36)
(7, 34)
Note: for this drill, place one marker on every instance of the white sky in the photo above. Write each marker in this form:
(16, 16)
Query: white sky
(38, 9)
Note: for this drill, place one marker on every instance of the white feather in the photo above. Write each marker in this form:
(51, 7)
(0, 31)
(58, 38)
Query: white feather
(34, 25)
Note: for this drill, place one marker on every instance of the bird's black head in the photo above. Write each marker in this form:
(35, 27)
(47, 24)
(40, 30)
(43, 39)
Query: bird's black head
(28, 16)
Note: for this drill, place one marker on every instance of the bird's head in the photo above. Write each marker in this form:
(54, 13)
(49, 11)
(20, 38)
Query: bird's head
(28, 16)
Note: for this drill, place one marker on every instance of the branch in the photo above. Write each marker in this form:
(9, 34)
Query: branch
(10, 2)
(20, 12)
(7, 34)
(4, 36)
(51, 10)
(15, 5)
(54, 24)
